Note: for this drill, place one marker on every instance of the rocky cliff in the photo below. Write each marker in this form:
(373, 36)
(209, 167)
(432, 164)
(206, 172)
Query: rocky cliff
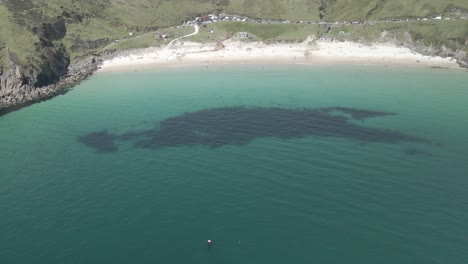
(18, 89)
(45, 74)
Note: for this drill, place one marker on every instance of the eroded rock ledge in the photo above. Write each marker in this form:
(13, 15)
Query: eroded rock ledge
(17, 90)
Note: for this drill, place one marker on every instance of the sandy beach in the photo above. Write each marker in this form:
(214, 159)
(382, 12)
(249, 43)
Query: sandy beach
(307, 52)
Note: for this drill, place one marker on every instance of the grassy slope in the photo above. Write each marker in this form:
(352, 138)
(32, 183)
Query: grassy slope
(103, 21)
(283, 9)
(451, 34)
(149, 39)
(345, 10)
(161, 13)
(262, 32)
(421, 8)
(14, 38)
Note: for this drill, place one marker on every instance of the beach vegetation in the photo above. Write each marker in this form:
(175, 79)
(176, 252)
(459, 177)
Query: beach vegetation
(34, 32)
(345, 10)
(451, 34)
(257, 32)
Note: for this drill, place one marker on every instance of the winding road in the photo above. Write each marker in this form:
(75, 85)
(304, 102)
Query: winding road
(186, 36)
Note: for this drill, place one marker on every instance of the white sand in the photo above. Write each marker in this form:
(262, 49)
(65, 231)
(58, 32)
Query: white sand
(308, 52)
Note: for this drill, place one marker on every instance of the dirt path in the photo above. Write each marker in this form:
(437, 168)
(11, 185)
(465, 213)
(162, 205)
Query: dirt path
(186, 36)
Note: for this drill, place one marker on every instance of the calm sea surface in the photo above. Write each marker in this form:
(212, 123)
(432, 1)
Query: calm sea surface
(275, 164)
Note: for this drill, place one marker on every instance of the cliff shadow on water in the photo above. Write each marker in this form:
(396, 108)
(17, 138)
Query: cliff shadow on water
(239, 126)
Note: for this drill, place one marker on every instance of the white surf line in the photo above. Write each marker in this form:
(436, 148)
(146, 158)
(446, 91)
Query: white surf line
(186, 36)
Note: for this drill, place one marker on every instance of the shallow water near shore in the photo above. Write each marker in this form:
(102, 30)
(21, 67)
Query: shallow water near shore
(275, 164)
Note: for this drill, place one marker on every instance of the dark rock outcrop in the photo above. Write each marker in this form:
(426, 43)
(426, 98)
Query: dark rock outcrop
(17, 90)
(460, 56)
(54, 62)
(80, 45)
(52, 30)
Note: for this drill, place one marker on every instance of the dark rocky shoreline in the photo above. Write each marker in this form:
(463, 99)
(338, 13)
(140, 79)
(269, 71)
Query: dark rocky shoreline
(16, 93)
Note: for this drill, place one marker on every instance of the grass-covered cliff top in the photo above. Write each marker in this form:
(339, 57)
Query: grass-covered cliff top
(51, 33)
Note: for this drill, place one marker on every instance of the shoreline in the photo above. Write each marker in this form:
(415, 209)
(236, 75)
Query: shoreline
(191, 54)
(305, 53)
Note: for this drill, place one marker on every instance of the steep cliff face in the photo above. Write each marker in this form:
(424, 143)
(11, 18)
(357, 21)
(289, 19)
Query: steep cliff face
(13, 88)
(39, 77)
(53, 59)
(16, 88)
(54, 62)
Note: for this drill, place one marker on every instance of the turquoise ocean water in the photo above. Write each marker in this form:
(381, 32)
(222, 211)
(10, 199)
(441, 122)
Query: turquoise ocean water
(267, 161)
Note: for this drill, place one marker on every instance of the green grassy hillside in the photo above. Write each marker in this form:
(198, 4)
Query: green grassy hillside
(15, 40)
(91, 24)
(342, 10)
(282, 9)
(45, 35)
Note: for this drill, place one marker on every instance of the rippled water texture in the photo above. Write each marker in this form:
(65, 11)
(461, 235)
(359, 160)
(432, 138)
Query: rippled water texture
(274, 164)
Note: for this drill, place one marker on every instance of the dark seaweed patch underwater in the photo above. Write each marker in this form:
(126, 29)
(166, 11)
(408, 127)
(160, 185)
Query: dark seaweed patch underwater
(219, 127)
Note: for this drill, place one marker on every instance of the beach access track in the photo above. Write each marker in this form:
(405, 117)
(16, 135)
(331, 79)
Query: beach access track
(186, 36)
